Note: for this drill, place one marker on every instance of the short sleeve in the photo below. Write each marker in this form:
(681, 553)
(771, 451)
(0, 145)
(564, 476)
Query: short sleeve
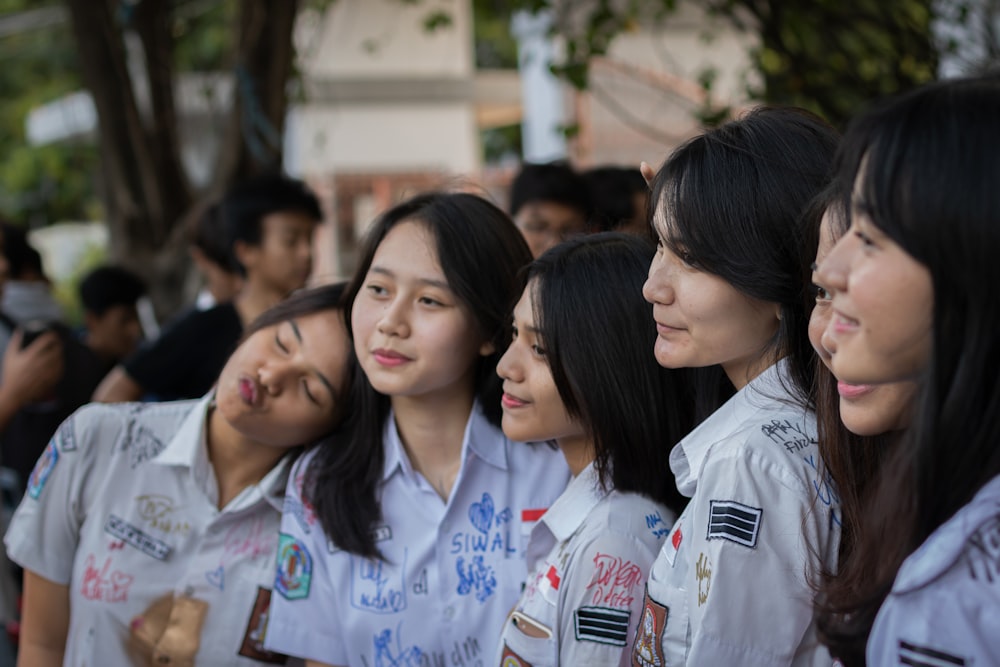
(44, 531)
(754, 533)
(305, 605)
(602, 600)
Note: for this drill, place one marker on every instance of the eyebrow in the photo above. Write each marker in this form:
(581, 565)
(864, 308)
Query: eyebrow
(441, 284)
(322, 378)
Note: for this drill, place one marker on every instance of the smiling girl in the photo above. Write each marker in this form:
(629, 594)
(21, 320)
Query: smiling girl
(148, 532)
(578, 373)
(732, 583)
(404, 535)
(914, 299)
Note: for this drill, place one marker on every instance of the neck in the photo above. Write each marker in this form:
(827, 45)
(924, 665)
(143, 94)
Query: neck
(254, 299)
(236, 461)
(743, 373)
(432, 429)
(578, 452)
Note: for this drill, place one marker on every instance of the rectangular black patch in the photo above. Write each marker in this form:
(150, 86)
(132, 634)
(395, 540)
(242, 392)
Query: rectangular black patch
(602, 625)
(922, 656)
(147, 544)
(728, 520)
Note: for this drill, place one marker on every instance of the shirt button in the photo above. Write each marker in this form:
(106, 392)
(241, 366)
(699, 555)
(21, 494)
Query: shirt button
(449, 612)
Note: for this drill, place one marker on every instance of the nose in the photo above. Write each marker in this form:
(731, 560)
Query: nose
(833, 270)
(658, 287)
(509, 367)
(275, 375)
(394, 320)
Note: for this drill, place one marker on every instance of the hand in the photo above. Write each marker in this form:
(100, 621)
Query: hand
(30, 375)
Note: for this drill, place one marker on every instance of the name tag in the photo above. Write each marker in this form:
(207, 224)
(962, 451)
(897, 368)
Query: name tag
(128, 533)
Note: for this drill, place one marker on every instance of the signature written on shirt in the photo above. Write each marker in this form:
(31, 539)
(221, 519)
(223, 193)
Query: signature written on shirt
(104, 584)
(157, 509)
(614, 581)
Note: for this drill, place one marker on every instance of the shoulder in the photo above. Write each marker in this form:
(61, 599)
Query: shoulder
(630, 515)
(967, 544)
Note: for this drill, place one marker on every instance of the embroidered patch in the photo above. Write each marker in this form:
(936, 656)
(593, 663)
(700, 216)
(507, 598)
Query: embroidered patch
(732, 521)
(647, 650)
(548, 585)
(602, 625)
(923, 656)
(510, 659)
(43, 468)
(253, 639)
(294, 568)
(128, 533)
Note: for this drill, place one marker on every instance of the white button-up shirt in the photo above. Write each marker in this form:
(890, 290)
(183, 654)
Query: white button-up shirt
(589, 557)
(731, 585)
(452, 570)
(944, 608)
(122, 509)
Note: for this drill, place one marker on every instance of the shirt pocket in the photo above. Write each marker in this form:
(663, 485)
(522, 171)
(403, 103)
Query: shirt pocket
(518, 648)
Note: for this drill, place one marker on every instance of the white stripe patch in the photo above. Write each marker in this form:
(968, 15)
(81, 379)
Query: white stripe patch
(728, 520)
(922, 656)
(602, 625)
(147, 544)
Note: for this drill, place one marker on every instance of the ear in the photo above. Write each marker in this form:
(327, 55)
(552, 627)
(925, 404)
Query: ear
(777, 311)
(246, 254)
(487, 348)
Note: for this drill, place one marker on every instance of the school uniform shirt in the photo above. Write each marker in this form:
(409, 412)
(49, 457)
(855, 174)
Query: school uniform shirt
(731, 585)
(944, 608)
(122, 509)
(589, 556)
(452, 570)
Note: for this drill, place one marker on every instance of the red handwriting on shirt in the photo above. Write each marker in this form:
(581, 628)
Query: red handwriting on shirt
(103, 584)
(614, 581)
(249, 540)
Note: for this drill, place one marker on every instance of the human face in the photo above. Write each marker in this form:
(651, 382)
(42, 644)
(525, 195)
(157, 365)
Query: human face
(283, 260)
(412, 335)
(546, 223)
(532, 408)
(881, 327)
(865, 409)
(283, 385)
(115, 333)
(702, 320)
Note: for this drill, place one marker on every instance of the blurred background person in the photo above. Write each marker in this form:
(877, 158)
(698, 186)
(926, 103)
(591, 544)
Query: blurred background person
(621, 197)
(549, 203)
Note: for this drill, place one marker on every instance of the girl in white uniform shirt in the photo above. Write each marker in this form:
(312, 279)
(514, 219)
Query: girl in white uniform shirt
(578, 372)
(914, 297)
(732, 585)
(148, 532)
(403, 537)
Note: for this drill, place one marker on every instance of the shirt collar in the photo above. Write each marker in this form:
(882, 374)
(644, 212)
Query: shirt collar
(189, 449)
(480, 438)
(687, 456)
(571, 508)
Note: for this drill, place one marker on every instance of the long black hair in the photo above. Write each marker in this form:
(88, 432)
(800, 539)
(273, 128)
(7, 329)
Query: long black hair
(481, 253)
(598, 330)
(929, 170)
(734, 200)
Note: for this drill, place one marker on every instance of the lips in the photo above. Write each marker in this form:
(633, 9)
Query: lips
(512, 402)
(842, 323)
(390, 358)
(249, 390)
(666, 328)
(852, 391)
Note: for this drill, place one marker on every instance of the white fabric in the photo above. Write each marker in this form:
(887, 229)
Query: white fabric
(452, 571)
(121, 486)
(944, 608)
(589, 557)
(736, 590)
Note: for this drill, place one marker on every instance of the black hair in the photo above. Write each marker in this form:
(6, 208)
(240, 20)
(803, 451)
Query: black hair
(598, 334)
(208, 234)
(613, 190)
(928, 165)
(299, 304)
(109, 286)
(243, 208)
(552, 182)
(481, 253)
(22, 258)
(733, 200)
